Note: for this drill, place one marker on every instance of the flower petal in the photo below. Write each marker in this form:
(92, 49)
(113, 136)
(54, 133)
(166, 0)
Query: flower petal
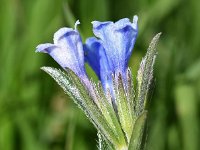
(67, 50)
(118, 40)
(45, 48)
(96, 57)
(91, 53)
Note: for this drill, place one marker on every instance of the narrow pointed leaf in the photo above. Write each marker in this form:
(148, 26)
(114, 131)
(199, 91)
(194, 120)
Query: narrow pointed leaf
(123, 109)
(138, 131)
(131, 93)
(145, 74)
(103, 144)
(66, 84)
(113, 136)
(73, 86)
(110, 115)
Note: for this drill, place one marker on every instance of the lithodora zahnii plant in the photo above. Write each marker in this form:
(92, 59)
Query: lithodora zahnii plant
(115, 108)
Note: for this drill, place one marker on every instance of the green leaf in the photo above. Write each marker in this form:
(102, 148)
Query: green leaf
(107, 110)
(103, 116)
(123, 108)
(131, 94)
(145, 75)
(102, 143)
(84, 98)
(66, 84)
(138, 131)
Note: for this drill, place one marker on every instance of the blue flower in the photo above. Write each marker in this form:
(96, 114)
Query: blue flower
(111, 52)
(67, 50)
(108, 53)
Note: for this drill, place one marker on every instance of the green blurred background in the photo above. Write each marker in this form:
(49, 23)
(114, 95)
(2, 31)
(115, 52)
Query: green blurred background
(34, 112)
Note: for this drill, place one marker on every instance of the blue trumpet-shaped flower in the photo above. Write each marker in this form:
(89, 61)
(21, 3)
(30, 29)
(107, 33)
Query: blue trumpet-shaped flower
(110, 53)
(67, 50)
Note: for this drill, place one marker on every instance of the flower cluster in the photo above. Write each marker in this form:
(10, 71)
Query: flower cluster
(107, 53)
(111, 105)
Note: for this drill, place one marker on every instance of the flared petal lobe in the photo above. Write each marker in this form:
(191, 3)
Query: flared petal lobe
(67, 50)
(118, 39)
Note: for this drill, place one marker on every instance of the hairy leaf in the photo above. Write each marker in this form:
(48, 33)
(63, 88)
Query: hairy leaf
(123, 109)
(138, 131)
(83, 97)
(145, 75)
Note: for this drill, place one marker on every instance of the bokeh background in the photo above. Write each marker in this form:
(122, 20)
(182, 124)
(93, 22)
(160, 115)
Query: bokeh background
(34, 112)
